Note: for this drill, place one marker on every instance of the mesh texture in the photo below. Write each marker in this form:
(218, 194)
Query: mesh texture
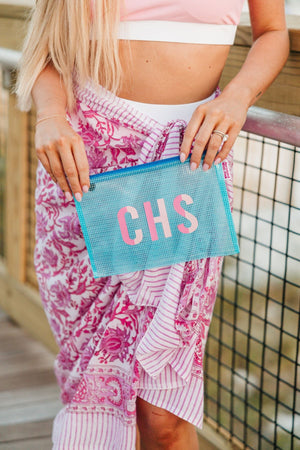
(155, 215)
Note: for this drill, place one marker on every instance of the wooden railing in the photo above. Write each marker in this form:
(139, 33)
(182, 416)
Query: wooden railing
(19, 295)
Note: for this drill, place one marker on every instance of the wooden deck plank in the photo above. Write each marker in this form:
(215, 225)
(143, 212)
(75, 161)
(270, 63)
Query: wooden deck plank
(23, 304)
(29, 444)
(31, 412)
(25, 431)
(15, 381)
(14, 397)
(29, 395)
(24, 366)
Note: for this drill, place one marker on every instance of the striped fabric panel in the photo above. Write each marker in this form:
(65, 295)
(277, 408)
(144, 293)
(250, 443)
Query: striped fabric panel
(185, 402)
(145, 288)
(167, 379)
(162, 340)
(91, 431)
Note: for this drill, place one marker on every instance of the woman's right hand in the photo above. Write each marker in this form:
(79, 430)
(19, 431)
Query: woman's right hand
(62, 153)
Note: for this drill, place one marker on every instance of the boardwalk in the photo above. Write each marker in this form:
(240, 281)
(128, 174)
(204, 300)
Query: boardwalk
(29, 397)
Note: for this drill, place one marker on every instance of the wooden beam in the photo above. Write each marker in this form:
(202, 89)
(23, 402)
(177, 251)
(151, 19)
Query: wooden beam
(283, 95)
(23, 305)
(12, 25)
(16, 191)
(244, 35)
(11, 11)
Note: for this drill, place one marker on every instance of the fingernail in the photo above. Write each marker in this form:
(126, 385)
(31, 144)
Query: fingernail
(217, 161)
(193, 166)
(68, 196)
(85, 188)
(182, 157)
(205, 167)
(78, 196)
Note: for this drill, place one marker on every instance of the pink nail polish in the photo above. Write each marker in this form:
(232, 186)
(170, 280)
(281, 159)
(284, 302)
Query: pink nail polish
(85, 188)
(205, 167)
(78, 196)
(193, 166)
(182, 157)
(217, 161)
(68, 196)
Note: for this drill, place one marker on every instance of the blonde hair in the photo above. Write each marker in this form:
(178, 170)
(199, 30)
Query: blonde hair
(77, 37)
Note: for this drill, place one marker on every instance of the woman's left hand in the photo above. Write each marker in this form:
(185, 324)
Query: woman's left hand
(224, 114)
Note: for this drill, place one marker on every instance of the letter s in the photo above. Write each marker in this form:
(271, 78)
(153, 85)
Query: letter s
(123, 226)
(178, 208)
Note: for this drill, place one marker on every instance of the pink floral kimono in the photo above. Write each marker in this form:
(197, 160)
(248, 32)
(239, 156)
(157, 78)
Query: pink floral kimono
(138, 334)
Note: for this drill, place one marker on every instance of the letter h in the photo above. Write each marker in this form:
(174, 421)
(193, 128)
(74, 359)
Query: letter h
(162, 218)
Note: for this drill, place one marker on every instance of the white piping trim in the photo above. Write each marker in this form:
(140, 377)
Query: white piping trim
(185, 32)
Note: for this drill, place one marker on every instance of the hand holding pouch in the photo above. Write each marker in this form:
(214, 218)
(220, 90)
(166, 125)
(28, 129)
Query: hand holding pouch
(155, 215)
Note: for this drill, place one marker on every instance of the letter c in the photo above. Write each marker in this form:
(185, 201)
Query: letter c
(123, 225)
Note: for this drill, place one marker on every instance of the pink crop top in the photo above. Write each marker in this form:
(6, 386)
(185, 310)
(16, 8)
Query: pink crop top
(190, 21)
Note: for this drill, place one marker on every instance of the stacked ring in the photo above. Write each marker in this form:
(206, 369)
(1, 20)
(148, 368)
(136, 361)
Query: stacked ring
(224, 136)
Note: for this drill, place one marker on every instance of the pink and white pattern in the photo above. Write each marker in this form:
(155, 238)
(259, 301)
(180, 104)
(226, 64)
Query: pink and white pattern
(138, 334)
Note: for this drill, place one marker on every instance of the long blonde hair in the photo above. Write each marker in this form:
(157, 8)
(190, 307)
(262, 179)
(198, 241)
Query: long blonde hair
(77, 37)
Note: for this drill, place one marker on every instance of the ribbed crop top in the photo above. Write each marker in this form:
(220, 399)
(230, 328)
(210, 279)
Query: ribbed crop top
(190, 21)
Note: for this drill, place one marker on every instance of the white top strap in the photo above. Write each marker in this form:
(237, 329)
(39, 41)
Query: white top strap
(170, 31)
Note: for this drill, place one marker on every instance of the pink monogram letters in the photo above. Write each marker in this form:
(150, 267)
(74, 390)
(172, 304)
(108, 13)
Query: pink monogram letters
(161, 218)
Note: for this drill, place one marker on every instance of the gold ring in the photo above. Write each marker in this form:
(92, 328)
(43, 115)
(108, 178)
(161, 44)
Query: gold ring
(224, 136)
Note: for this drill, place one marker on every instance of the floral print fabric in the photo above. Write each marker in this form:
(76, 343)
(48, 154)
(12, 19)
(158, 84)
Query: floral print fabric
(119, 336)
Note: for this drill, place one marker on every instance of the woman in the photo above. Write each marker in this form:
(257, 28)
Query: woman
(131, 346)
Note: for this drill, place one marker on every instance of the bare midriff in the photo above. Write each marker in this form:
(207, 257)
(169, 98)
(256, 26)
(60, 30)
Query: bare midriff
(170, 73)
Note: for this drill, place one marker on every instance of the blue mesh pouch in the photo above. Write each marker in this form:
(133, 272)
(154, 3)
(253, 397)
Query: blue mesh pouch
(155, 215)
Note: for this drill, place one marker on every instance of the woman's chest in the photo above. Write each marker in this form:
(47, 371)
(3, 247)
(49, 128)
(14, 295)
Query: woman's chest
(203, 11)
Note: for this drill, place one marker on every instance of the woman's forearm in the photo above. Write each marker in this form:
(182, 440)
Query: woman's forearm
(263, 63)
(227, 113)
(49, 94)
(59, 148)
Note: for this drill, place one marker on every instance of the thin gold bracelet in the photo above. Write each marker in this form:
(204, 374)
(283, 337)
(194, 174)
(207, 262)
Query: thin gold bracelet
(49, 117)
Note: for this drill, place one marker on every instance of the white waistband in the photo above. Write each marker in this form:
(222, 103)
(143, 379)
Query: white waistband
(166, 113)
(184, 32)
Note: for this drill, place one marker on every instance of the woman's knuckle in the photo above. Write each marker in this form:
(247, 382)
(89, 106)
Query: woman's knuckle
(199, 110)
(62, 141)
(82, 166)
(40, 151)
(71, 172)
(58, 172)
(50, 146)
(200, 142)
(188, 135)
(214, 147)
(63, 182)
(216, 112)
(75, 139)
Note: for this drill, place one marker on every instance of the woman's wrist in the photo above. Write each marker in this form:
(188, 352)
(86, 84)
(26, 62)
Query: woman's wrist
(49, 117)
(59, 110)
(243, 94)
